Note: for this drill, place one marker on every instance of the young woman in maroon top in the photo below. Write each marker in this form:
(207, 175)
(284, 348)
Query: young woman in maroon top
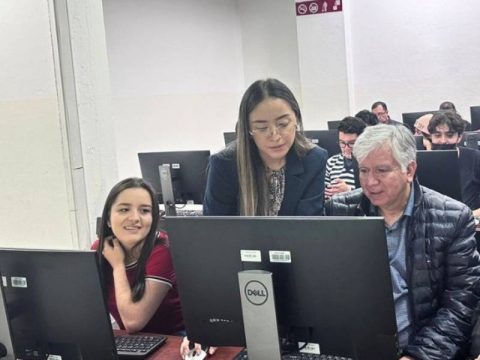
(136, 263)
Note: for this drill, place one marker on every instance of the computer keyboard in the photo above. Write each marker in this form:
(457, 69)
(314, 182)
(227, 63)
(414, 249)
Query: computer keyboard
(243, 355)
(185, 210)
(138, 346)
(302, 356)
(188, 212)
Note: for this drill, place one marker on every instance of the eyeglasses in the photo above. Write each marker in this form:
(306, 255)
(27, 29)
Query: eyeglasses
(380, 172)
(282, 127)
(344, 144)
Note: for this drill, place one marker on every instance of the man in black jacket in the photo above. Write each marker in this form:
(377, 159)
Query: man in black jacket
(430, 237)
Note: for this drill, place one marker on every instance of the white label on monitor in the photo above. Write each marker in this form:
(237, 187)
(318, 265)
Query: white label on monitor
(251, 255)
(277, 256)
(54, 357)
(175, 166)
(4, 281)
(309, 348)
(18, 282)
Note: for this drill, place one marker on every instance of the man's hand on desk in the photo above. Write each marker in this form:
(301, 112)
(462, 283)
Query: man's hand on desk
(185, 348)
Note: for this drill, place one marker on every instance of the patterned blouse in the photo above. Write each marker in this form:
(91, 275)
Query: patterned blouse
(276, 186)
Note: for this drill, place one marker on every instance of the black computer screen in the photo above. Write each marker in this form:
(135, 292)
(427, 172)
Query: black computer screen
(470, 139)
(188, 171)
(439, 171)
(475, 117)
(55, 304)
(327, 139)
(335, 290)
(419, 142)
(228, 137)
(333, 124)
(410, 118)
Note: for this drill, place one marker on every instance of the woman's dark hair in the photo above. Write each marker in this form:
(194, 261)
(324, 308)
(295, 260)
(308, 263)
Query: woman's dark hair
(449, 118)
(138, 287)
(368, 117)
(351, 125)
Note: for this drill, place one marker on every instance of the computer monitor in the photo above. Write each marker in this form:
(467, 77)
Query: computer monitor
(333, 124)
(331, 279)
(327, 139)
(470, 139)
(188, 171)
(6, 347)
(410, 118)
(475, 117)
(419, 142)
(228, 137)
(55, 304)
(439, 171)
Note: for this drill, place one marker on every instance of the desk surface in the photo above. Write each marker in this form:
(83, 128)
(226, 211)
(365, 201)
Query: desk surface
(171, 351)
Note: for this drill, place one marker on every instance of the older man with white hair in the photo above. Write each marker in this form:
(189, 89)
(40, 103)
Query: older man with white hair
(432, 252)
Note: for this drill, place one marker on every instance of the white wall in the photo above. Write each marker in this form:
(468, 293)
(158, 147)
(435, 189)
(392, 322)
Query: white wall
(323, 68)
(35, 210)
(269, 42)
(58, 152)
(176, 72)
(415, 54)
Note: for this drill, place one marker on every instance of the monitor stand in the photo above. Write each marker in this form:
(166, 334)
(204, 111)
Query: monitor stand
(167, 189)
(259, 314)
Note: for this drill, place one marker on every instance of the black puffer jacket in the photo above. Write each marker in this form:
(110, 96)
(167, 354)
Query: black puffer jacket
(443, 266)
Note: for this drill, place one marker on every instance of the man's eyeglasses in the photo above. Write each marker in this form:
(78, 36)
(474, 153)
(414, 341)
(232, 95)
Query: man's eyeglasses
(344, 144)
(282, 127)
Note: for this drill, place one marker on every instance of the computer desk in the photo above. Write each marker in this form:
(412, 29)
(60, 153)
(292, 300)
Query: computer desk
(171, 351)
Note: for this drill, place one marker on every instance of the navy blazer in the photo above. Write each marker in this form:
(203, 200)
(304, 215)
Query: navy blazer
(304, 184)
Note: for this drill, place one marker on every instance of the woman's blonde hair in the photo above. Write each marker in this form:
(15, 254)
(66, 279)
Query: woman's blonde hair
(253, 186)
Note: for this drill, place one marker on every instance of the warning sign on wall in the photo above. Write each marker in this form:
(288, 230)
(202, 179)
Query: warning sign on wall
(318, 7)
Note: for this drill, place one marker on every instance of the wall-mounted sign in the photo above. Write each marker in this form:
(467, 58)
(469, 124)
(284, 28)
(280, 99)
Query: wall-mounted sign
(317, 7)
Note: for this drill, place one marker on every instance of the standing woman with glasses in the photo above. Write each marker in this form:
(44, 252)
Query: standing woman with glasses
(339, 176)
(271, 169)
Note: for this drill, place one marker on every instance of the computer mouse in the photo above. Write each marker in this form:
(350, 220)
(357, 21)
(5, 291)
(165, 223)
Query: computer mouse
(192, 355)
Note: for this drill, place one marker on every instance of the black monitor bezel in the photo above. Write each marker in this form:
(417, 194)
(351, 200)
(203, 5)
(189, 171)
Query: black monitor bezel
(475, 117)
(326, 139)
(193, 173)
(62, 304)
(439, 171)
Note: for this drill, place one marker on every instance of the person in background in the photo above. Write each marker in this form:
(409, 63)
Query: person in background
(446, 129)
(421, 129)
(448, 105)
(271, 168)
(379, 108)
(339, 175)
(431, 246)
(135, 261)
(368, 117)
